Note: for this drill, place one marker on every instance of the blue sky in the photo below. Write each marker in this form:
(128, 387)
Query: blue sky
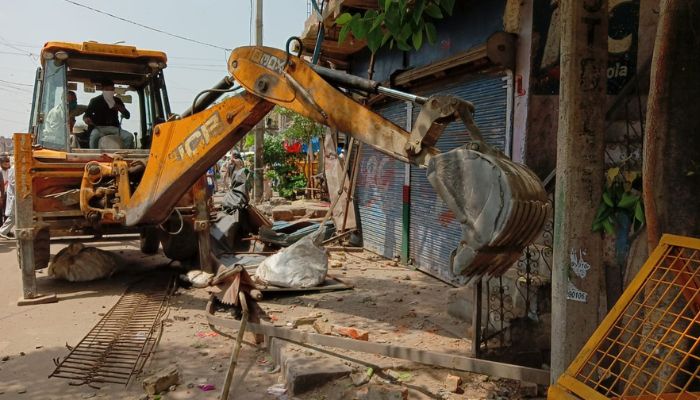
(25, 25)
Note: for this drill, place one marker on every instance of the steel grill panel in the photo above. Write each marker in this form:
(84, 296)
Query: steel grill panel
(120, 343)
(648, 347)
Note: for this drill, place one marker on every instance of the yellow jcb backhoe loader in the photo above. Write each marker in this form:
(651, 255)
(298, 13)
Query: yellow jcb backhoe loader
(500, 204)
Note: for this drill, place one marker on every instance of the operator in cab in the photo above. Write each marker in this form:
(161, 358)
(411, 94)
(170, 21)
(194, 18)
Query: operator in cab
(102, 115)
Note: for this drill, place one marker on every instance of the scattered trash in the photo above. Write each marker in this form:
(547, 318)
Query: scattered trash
(198, 279)
(277, 389)
(399, 376)
(206, 387)
(202, 334)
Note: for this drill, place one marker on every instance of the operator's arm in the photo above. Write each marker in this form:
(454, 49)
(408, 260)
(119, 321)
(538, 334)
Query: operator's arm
(89, 113)
(119, 104)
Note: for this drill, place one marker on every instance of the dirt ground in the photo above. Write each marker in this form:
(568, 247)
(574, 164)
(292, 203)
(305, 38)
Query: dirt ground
(394, 304)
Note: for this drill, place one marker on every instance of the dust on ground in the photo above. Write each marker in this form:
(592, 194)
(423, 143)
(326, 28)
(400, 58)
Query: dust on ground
(396, 305)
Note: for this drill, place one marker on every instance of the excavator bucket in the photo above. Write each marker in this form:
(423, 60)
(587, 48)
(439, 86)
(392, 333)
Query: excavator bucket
(501, 206)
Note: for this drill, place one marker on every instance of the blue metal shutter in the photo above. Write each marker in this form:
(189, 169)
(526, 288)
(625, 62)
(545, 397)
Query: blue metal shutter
(434, 233)
(379, 192)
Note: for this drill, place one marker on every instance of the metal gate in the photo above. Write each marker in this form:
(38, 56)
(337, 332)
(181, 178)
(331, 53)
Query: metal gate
(434, 232)
(379, 193)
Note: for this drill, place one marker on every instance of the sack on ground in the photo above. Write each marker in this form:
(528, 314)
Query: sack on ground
(301, 265)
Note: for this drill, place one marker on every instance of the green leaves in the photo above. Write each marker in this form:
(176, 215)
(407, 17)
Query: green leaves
(404, 23)
(619, 197)
(343, 19)
(433, 10)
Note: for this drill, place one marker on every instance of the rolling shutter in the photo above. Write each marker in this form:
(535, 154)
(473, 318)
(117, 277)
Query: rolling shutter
(434, 233)
(379, 192)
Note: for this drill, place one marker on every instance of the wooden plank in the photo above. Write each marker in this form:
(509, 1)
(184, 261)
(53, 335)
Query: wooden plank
(474, 54)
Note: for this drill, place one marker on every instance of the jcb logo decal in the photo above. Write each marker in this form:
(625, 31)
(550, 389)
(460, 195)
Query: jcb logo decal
(268, 61)
(211, 128)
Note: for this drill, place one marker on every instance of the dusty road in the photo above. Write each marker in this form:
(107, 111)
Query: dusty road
(394, 304)
(32, 336)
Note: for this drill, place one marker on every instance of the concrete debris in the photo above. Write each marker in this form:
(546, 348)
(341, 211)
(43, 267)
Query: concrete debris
(452, 383)
(308, 320)
(527, 390)
(161, 380)
(322, 327)
(361, 378)
(385, 392)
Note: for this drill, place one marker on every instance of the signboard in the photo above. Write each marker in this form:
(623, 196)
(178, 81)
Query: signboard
(623, 38)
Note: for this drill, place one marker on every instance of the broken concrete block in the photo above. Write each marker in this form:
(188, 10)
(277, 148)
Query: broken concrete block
(276, 201)
(452, 383)
(335, 264)
(527, 390)
(298, 211)
(282, 214)
(322, 327)
(316, 212)
(360, 378)
(383, 392)
(357, 334)
(161, 380)
(304, 321)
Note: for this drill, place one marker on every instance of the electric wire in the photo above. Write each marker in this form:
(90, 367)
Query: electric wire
(146, 26)
(16, 83)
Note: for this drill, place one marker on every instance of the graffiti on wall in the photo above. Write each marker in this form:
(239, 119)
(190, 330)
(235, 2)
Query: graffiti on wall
(623, 37)
(376, 175)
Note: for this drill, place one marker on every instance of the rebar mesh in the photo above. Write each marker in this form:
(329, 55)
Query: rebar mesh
(119, 345)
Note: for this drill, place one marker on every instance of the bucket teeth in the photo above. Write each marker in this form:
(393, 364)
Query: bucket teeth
(502, 206)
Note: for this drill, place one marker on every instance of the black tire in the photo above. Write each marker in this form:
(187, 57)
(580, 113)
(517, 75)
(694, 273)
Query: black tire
(180, 247)
(42, 249)
(149, 242)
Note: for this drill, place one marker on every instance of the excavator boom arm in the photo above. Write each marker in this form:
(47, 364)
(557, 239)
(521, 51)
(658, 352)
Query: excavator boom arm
(500, 205)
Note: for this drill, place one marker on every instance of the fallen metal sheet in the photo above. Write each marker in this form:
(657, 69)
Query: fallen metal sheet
(121, 342)
(286, 234)
(444, 360)
(330, 284)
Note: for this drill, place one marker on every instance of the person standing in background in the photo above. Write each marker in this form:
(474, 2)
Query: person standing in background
(6, 231)
(4, 182)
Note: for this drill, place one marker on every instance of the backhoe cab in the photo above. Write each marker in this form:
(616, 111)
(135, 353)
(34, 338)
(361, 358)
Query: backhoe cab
(51, 159)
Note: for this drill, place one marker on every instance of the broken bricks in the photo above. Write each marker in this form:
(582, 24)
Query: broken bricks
(357, 334)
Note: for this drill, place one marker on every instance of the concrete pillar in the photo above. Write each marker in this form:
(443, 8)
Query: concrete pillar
(577, 273)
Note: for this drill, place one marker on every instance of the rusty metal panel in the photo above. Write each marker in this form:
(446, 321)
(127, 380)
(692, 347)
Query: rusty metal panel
(434, 232)
(379, 193)
(647, 346)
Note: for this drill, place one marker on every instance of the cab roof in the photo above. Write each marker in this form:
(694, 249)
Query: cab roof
(104, 50)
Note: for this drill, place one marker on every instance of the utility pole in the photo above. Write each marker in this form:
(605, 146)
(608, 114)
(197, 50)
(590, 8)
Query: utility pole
(577, 276)
(260, 128)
